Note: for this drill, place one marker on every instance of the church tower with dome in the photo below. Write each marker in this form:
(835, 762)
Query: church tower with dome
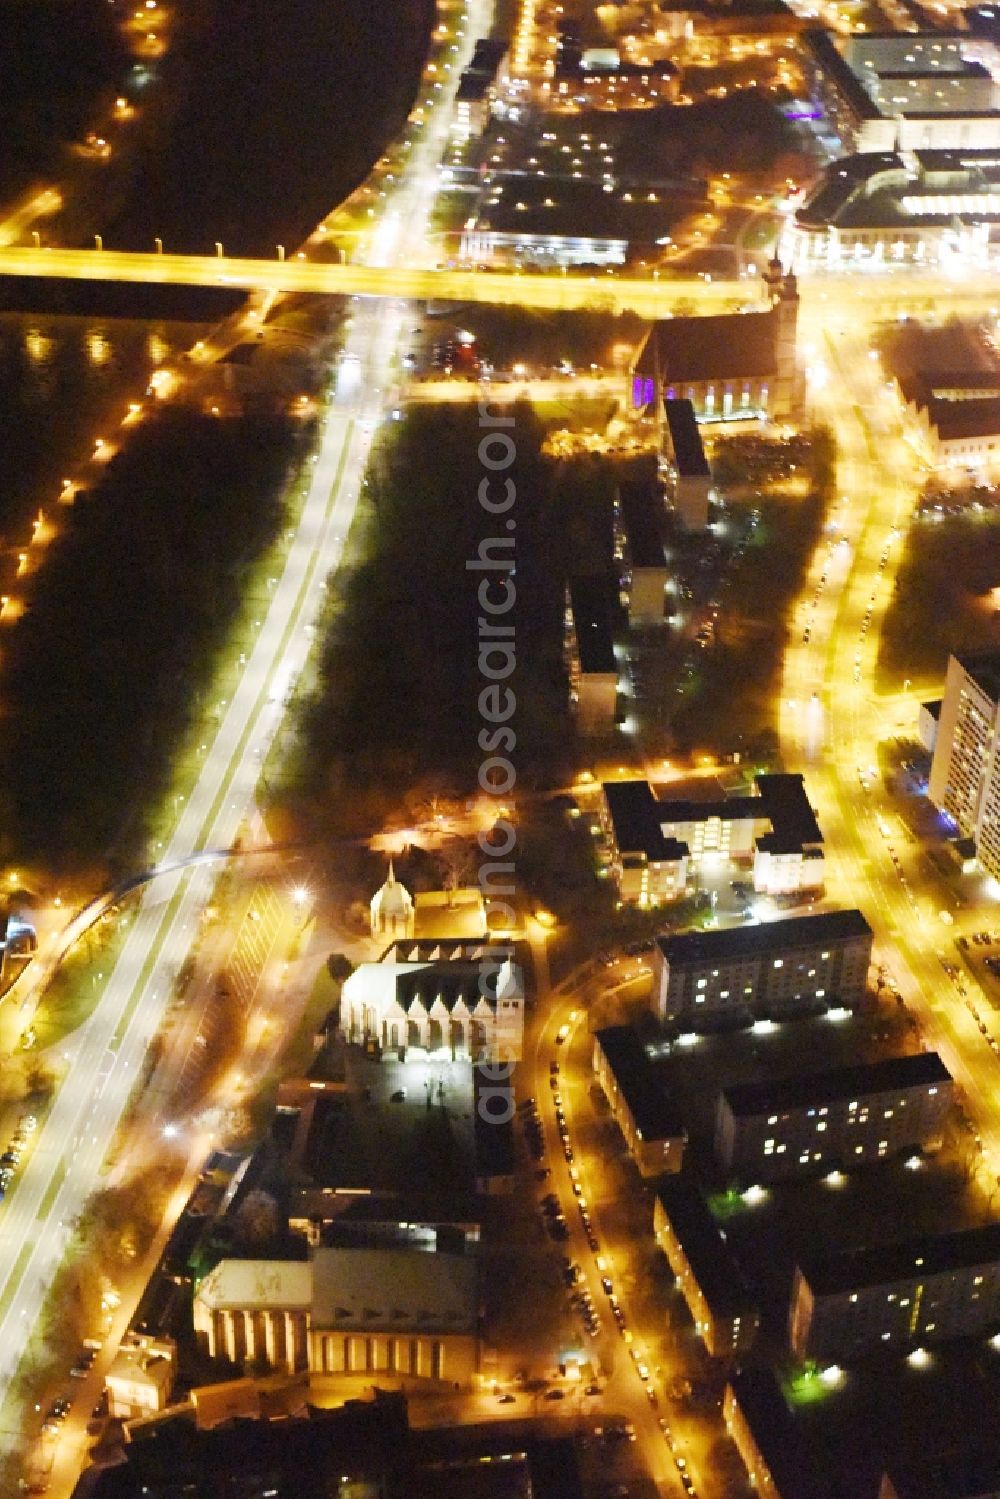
(392, 910)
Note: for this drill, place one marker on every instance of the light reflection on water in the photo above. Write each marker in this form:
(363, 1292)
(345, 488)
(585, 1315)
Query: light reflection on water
(63, 379)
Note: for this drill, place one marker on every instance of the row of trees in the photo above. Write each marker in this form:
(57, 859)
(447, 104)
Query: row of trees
(102, 675)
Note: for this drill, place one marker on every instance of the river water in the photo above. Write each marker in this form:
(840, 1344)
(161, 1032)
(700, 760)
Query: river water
(65, 381)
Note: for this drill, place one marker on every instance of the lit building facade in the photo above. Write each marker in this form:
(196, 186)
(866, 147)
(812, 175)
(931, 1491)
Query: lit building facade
(703, 1266)
(964, 780)
(454, 998)
(764, 971)
(736, 366)
(346, 1311)
(897, 1296)
(640, 1106)
(656, 846)
(843, 1118)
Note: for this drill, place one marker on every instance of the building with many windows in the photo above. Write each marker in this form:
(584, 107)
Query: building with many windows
(707, 1275)
(640, 1106)
(923, 208)
(898, 1296)
(964, 781)
(766, 971)
(780, 1461)
(896, 91)
(655, 846)
(838, 1119)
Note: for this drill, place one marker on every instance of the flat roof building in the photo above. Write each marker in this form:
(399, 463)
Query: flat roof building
(765, 971)
(654, 845)
(589, 653)
(889, 91)
(640, 1106)
(964, 781)
(840, 1118)
(896, 1296)
(703, 1265)
(640, 547)
(779, 1460)
(692, 482)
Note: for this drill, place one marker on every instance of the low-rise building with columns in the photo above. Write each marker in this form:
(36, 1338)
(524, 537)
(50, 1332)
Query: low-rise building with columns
(396, 1311)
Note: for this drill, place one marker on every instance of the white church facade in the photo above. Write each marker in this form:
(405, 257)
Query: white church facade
(457, 999)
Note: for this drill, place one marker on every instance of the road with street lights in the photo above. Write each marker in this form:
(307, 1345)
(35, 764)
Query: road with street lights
(832, 717)
(105, 1055)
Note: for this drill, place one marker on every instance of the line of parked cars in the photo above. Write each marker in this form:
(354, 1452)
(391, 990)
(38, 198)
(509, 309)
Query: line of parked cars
(11, 1157)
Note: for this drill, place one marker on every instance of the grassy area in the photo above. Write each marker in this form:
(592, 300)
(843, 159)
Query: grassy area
(540, 340)
(403, 623)
(942, 601)
(77, 986)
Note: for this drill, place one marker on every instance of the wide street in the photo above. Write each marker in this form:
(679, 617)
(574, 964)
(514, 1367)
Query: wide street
(832, 719)
(106, 1053)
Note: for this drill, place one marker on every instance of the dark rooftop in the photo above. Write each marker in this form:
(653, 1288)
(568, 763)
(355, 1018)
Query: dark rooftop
(641, 507)
(655, 1115)
(718, 347)
(685, 439)
(787, 808)
(635, 816)
(590, 603)
(975, 418)
(826, 54)
(984, 669)
(704, 1245)
(883, 1264)
(473, 86)
(779, 1440)
(731, 943)
(805, 1089)
(957, 1476)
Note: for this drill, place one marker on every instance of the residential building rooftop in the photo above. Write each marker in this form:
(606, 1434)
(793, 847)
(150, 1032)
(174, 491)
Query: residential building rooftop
(836, 1083)
(731, 943)
(590, 603)
(655, 1114)
(704, 1244)
(882, 1264)
(641, 507)
(685, 439)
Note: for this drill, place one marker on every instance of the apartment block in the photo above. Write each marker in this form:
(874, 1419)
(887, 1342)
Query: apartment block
(645, 1114)
(707, 1275)
(589, 654)
(842, 1118)
(778, 1457)
(770, 970)
(639, 546)
(692, 475)
(656, 845)
(898, 1296)
(964, 780)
